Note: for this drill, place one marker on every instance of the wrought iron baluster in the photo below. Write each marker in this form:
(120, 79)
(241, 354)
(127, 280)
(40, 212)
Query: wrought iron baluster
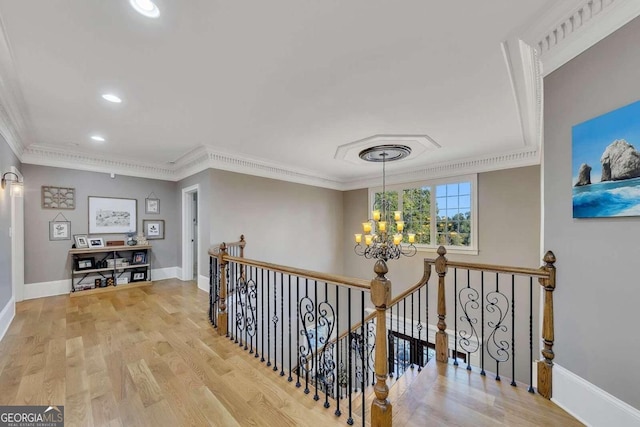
(363, 353)
(275, 322)
(290, 378)
(419, 328)
(262, 323)
(350, 419)
(482, 372)
(455, 317)
(415, 349)
(391, 362)
(315, 336)
(396, 360)
(308, 342)
(530, 389)
(339, 364)
(281, 325)
(268, 322)
(298, 331)
(513, 330)
(497, 347)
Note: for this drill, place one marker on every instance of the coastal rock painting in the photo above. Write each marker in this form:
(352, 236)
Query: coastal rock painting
(606, 164)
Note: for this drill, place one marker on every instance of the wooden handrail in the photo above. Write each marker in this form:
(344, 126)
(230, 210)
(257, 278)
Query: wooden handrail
(521, 271)
(215, 249)
(309, 274)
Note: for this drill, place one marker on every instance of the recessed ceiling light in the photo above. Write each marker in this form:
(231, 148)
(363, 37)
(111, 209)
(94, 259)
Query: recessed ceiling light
(97, 138)
(111, 98)
(146, 8)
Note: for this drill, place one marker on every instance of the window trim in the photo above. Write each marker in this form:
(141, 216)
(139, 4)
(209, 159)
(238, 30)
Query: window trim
(433, 183)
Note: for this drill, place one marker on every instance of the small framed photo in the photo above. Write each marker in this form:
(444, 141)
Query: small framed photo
(153, 228)
(82, 241)
(85, 263)
(96, 242)
(139, 258)
(152, 206)
(59, 230)
(138, 276)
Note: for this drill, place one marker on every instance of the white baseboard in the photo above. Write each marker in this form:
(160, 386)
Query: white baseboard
(203, 283)
(6, 316)
(164, 273)
(179, 272)
(588, 403)
(46, 289)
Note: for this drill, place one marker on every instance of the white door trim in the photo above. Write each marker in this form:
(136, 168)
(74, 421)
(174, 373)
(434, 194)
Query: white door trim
(17, 242)
(187, 232)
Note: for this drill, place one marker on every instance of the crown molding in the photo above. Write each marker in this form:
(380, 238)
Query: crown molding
(204, 157)
(13, 117)
(568, 28)
(51, 156)
(524, 69)
(507, 160)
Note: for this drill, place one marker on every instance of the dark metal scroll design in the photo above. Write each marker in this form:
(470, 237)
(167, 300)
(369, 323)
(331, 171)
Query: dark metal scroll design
(241, 305)
(317, 330)
(498, 305)
(366, 346)
(252, 303)
(468, 336)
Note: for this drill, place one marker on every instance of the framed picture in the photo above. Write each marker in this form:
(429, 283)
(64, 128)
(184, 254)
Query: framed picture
(139, 258)
(152, 206)
(138, 276)
(111, 215)
(605, 164)
(59, 230)
(81, 241)
(85, 263)
(153, 228)
(96, 242)
(58, 197)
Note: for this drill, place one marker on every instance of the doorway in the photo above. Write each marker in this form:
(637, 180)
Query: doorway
(190, 233)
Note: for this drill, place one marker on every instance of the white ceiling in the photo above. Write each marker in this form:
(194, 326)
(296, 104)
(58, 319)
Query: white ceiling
(281, 82)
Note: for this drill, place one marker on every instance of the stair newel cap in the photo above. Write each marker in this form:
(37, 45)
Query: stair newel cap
(549, 259)
(441, 261)
(380, 268)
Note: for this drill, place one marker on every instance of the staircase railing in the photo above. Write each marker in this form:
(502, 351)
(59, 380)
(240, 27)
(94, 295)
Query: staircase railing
(489, 325)
(290, 319)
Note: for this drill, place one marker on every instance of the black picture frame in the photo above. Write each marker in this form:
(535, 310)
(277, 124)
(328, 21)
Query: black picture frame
(85, 263)
(139, 258)
(138, 276)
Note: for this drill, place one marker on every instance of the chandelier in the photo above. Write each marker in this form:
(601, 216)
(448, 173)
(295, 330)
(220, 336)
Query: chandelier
(380, 241)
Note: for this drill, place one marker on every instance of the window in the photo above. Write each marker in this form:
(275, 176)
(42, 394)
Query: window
(440, 212)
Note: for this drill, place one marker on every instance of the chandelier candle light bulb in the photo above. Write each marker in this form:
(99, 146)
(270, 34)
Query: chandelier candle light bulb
(366, 227)
(358, 238)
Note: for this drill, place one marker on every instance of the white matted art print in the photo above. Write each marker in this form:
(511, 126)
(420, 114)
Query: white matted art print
(153, 229)
(110, 215)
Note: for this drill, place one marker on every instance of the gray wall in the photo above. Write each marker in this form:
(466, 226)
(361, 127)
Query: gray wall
(48, 260)
(7, 159)
(285, 223)
(597, 296)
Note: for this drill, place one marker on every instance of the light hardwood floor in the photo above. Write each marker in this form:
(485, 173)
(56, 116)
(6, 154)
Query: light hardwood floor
(145, 356)
(148, 356)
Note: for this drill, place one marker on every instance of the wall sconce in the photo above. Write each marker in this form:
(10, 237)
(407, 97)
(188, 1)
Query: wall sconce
(16, 185)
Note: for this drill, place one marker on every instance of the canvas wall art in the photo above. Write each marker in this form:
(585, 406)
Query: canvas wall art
(606, 164)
